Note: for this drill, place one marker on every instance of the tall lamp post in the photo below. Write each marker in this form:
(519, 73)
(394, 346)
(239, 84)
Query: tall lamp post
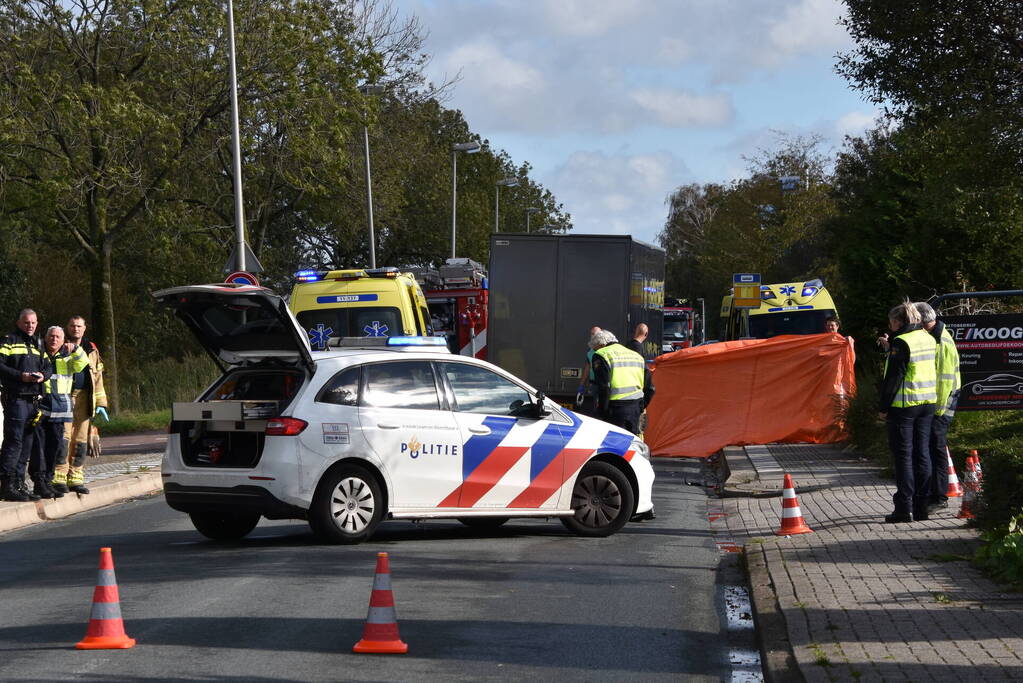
(504, 182)
(529, 212)
(369, 89)
(468, 148)
(236, 153)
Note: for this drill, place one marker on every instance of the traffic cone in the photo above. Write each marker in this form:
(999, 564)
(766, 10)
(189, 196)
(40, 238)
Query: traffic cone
(971, 487)
(955, 489)
(380, 634)
(976, 465)
(106, 630)
(791, 516)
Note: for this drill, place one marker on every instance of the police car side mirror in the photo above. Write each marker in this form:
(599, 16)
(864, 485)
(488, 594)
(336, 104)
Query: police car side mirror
(540, 407)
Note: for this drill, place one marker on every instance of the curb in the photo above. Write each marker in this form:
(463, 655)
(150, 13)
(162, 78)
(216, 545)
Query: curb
(102, 493)
(777, 659)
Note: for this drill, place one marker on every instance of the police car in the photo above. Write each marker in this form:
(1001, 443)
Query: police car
(376, 429)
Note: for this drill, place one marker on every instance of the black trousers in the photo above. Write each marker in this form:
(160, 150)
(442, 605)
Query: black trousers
(19, 437)
(939, 457)
(50, 447)
(909, 436)
(625, 414)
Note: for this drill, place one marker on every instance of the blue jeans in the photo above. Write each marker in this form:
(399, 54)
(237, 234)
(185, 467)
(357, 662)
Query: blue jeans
(909, 436)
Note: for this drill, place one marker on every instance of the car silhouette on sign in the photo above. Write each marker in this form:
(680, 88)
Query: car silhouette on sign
(995, 384)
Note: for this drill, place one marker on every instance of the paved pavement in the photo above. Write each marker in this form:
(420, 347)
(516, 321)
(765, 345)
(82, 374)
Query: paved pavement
(860, 600)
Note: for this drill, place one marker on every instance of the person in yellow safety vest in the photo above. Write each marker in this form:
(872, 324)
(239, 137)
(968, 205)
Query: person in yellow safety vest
(624, 386)
(907, 397)
(88, 400)
(949, 382)
(56, 409)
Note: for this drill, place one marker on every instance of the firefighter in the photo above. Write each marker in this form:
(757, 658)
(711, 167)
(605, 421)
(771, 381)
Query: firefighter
(88, 400)
(23, 369)
(907, 397)
(949, 381)
(624, 386)
(56, 409)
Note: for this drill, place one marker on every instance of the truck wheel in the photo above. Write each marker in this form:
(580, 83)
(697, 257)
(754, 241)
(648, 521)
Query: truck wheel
(603, 501)
(348, 506)
(224, 526)
(482, 522)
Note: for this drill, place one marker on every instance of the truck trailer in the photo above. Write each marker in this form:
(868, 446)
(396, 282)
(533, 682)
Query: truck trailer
(547, 291)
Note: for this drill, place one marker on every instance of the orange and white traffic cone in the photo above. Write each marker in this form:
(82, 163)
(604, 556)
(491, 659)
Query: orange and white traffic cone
(106, 630)
(976, 465)
(791, 516)
(971, 487)
(955, 489)
(380, 634)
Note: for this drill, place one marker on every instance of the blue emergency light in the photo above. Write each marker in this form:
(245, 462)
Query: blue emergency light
(309, 275)
(416, 341)
(809, 291)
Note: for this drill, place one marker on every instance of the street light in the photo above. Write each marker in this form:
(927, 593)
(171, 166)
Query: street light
(468, 148)
(367, 90)
(504, 182)
(529, 212)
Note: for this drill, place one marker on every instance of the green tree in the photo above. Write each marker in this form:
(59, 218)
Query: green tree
(113, 108)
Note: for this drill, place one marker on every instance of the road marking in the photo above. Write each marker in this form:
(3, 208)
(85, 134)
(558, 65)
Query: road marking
(739, 613)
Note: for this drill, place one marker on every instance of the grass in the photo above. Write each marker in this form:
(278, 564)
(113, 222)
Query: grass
(820, 657)
(130, 423)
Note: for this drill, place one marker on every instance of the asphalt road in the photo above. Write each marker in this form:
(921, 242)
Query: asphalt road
(526, 602)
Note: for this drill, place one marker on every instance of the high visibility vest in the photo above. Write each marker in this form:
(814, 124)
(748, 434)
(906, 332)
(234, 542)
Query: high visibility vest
(627, 372)
(949, 380)
(64, 369)
(920, 385)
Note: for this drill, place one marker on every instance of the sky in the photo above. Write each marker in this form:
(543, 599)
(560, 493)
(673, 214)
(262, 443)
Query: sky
(615, 103)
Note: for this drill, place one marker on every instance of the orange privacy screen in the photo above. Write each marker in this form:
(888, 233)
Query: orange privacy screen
(790, 388)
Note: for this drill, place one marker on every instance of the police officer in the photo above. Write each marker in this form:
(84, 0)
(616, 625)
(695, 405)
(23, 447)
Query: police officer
(624, 386)
(23, 369)
(56, 409)
(907, 397)
(949, 381)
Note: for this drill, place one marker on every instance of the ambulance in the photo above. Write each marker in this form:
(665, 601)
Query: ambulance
(375, 429)
(371, 302)
(786, 308)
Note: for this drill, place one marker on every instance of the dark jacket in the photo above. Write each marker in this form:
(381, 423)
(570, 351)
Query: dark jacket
(21, 353)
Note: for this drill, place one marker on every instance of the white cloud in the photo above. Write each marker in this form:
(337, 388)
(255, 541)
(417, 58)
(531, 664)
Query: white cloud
(856, 122)
(485, 68)
(807, 26)
(589, 18)
(683, 109)
(617, 193)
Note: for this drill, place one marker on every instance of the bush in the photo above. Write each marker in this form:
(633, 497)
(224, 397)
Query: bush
(155, 385)
(1002, 553)
(866, 431)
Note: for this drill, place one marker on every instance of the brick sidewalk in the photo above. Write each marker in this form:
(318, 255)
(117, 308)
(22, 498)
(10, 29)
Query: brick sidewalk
(867, 601)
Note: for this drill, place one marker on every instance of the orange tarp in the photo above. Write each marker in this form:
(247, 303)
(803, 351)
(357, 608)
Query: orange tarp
(791, 388)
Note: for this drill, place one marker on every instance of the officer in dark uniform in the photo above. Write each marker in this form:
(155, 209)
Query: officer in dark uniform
(23, 369)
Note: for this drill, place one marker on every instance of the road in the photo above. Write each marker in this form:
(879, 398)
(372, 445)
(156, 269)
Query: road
(526, 602)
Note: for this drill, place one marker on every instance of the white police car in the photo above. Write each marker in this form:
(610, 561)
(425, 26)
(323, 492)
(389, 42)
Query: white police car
(389, 428)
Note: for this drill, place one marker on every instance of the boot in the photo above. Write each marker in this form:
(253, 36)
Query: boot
(39, 489)
(12, 493)
(60, 487)
(23, 487)
(79, 489)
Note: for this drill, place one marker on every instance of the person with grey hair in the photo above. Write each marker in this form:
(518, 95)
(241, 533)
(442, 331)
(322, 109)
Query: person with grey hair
(907, 396)
(624, 385)
(948, 383)
(585, 395)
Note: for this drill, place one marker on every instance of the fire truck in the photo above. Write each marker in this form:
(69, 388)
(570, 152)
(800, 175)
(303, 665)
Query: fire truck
(679, 325)
(456, 294)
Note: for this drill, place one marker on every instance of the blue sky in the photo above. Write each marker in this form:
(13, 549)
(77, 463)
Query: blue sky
(617, 102)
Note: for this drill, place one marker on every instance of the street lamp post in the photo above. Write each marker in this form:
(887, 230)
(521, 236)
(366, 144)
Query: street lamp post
(369, 90)
(236, 153)
(529, 212)
(468, 148)
(504, 182)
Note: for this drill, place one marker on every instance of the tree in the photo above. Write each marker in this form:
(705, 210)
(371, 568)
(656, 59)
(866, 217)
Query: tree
(112, 108)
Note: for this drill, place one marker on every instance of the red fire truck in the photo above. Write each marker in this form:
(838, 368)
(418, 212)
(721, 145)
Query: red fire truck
(679, 325)
(457, 296)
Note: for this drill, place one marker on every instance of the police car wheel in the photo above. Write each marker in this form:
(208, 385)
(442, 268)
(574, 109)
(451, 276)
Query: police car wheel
(224, 526)
(348, 506)
(603, 501)
(482, 522)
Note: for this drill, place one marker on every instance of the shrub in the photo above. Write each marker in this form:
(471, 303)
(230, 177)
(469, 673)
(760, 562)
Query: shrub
(156, 385)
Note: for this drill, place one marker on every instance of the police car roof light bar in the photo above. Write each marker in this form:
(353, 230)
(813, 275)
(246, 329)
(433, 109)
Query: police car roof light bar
(416, 341)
